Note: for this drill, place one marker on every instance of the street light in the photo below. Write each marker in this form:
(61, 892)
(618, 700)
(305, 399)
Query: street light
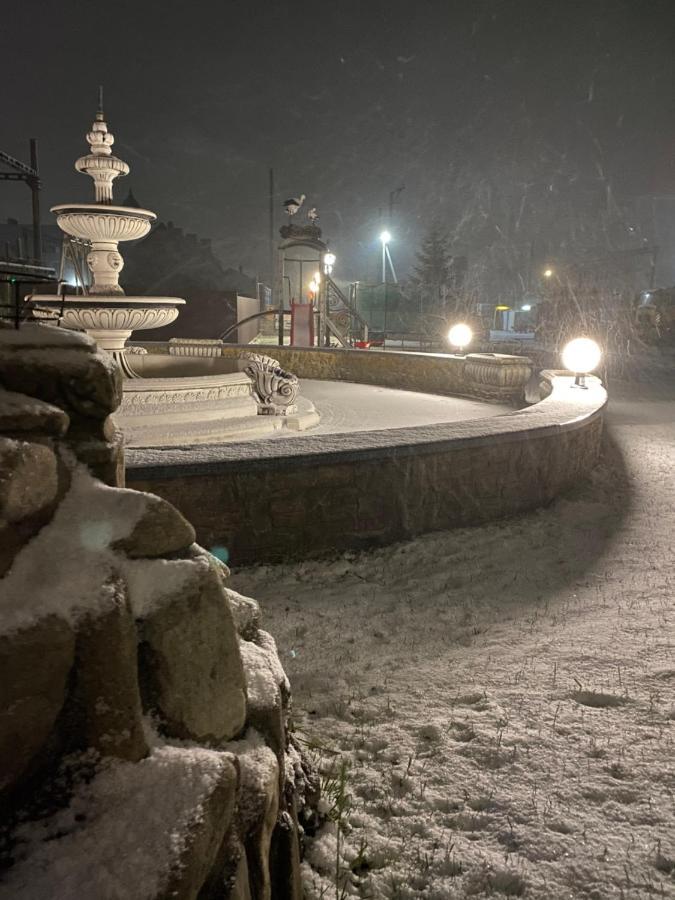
(460, 336)
(328, 263)
(548, 273)
(385, 237)
(581, 356)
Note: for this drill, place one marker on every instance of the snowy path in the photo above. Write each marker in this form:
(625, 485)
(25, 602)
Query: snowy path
(501, 699)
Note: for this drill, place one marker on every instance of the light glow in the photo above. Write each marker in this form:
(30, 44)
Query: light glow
(526, 308)
(548, 273)
(313, 287)
(385, 237)
(581, 356)
(460, 335)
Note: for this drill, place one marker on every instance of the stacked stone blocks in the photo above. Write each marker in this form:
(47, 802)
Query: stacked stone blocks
(126, 662)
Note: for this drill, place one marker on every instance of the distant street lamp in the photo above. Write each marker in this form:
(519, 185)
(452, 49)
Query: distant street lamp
(581, 356)
(460, 336)
(548, 273)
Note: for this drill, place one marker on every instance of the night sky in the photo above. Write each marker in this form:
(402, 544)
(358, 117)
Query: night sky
(347, 101)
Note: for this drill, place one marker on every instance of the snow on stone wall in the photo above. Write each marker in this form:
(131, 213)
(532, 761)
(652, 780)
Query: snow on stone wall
(144, 747)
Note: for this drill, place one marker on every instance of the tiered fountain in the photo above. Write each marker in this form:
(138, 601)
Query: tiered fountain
(105, 312)
(189, 392)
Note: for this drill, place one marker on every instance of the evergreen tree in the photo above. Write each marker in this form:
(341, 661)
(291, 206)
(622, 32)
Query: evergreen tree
(432, 274)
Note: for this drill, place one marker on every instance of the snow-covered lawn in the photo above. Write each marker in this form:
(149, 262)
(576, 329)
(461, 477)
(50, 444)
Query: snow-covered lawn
(498, 702)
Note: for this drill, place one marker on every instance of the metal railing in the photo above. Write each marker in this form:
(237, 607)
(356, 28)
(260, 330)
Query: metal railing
(17, 276)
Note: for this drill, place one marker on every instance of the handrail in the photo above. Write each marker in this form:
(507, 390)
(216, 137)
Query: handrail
(335, 331)
(272, 311)
(347, 302)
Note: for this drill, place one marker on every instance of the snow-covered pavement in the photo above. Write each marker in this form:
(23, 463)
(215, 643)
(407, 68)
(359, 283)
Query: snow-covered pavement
(499, 701)
(345, 406)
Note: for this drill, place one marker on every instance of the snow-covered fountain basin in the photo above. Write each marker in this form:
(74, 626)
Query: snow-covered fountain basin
(321, 493)
(185, 400)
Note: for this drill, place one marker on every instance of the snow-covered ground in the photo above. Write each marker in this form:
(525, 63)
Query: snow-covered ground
(345, 406)
(492, 708)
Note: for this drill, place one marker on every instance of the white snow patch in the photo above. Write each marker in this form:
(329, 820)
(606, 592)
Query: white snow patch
(152, 580)
(61, 570)
(121, 833)
(261, 680)
(504, 695)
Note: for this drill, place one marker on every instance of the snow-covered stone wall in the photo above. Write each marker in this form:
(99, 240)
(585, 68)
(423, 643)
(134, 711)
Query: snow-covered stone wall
(485, 376)
(281, 499)
(144, 714)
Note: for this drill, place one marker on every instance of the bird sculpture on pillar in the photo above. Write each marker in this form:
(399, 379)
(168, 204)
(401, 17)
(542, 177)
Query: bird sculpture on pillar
(313, 215)
(293, 204)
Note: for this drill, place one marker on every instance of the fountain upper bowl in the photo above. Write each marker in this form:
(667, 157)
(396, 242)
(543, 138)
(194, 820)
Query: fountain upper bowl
(99, 222)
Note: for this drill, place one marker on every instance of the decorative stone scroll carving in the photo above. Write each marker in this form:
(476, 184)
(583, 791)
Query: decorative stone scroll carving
(275, 389)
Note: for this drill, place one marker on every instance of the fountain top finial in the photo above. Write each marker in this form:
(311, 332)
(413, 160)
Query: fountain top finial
(100, 164)
(99, 138)
(99, 112)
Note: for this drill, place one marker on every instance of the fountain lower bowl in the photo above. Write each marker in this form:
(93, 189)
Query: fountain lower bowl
(108, 320)
(175, 401)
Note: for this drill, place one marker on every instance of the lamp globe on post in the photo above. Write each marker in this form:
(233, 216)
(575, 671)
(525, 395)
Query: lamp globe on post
(460, 336)
(328, 263)
(581, 356)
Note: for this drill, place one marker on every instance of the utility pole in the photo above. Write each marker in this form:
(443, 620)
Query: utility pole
(31, 176)
(34, 184)
(271, 236)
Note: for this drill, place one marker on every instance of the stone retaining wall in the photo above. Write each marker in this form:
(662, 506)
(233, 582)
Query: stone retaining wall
(144, 743)
(493, 376)
(293, 499)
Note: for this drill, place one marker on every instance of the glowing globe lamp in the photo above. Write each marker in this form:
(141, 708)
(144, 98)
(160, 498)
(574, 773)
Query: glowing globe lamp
(460, 336)
(581, 356)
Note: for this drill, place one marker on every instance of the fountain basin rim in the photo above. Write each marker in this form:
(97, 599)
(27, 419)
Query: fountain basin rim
(104, 209)
(103, 301)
